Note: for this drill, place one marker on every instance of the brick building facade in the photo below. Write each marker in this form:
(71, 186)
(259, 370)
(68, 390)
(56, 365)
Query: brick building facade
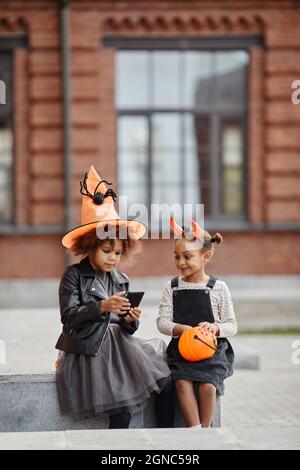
(265, 242)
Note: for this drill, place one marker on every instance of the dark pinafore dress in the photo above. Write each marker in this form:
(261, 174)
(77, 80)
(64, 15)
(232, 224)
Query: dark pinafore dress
(193, 306)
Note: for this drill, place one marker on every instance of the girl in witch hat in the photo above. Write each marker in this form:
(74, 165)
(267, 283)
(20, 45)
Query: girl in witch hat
(102, 369)
(195, 299)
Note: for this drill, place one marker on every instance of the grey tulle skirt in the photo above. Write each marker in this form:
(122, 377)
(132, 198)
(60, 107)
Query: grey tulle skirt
(121, 378)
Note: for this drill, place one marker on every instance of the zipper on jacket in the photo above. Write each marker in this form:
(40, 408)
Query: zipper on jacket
(103, 334)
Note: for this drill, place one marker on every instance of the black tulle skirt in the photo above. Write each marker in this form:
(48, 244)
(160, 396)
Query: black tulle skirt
(121, 378)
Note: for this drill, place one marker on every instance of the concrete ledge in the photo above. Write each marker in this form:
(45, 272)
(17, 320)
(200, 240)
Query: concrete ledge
(259, 300)
(29, 403)
(245, 357)
(235, 438)
(43, 293)
(29, 293)
(150, 439)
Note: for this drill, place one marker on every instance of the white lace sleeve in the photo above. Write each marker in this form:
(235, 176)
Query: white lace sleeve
(227, 321)
(164, 319)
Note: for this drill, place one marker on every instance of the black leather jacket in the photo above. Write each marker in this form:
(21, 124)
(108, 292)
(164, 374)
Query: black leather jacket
(80, 296)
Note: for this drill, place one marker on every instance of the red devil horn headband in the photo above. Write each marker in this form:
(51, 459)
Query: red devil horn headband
(175, 228)
(196, 230)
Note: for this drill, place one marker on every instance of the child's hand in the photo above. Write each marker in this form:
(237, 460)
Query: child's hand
(179, 329)
(211, 328)
(133, 315)
(116, 304)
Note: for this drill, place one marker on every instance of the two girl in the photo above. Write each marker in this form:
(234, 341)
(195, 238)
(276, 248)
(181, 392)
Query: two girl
(102, 369)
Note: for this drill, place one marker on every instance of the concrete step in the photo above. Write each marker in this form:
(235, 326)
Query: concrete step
(29, 403)
(261, 302)
(235, 438)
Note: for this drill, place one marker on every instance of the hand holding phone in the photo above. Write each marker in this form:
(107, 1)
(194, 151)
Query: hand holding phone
(134, 298)
(117, 303)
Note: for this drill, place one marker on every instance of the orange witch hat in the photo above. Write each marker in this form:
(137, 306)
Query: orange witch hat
(98, 210)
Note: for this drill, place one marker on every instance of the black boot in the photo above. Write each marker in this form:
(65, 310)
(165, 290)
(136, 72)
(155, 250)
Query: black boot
(165, 405)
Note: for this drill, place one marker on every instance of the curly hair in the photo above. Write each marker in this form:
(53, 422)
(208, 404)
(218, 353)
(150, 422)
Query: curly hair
(86, 244)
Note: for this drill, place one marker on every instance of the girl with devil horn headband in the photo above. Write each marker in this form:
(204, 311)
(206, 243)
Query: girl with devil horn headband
(102, 370)
(197, 311)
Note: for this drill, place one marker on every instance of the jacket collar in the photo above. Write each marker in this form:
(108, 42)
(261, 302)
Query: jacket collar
(87, 270)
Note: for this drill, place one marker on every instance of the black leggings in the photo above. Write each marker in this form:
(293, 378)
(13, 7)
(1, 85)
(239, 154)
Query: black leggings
(164, 410)
(119, 421)
(165, 405)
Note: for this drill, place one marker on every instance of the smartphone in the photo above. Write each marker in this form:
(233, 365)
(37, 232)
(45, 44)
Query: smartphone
(134, 298)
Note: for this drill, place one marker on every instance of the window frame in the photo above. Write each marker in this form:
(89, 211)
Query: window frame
(9, 45)
(218, 44)
(5, 47)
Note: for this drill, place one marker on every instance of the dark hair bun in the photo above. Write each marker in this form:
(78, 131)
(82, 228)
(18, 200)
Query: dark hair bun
(217, 238)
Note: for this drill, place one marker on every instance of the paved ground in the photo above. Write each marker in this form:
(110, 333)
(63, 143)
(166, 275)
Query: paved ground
(268, 397)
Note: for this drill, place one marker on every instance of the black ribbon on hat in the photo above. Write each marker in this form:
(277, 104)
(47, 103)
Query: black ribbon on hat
(97, 197)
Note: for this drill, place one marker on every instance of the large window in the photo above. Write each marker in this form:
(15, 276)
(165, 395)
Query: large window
(181, 128)
(6, 139)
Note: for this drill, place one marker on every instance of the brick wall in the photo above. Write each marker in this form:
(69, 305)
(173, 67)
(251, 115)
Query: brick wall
(273, 145)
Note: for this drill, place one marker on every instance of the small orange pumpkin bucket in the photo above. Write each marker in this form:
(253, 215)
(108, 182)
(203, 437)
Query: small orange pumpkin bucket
(194, 345)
